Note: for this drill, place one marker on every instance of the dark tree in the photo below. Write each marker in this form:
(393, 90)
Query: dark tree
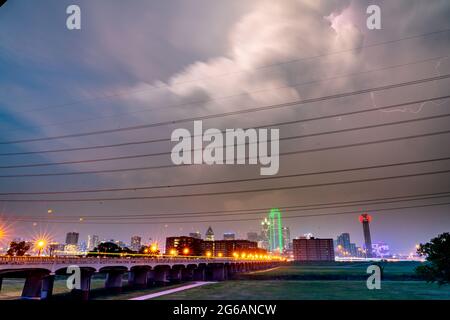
(437, 253)
(18, 249)
(105, 247)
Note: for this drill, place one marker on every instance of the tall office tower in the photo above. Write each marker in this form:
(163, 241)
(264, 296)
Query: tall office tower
(343, 245)
(275, 232)
(229, 236)
(365, 219)
(209, 236)
(72, 238)
(136, 243)
(286, 238)
(252, 236)
(196, 235)
(265, 226)
(92, 242)
(95, 240)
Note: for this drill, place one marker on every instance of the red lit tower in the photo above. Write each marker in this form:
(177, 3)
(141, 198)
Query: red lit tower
(365, 219)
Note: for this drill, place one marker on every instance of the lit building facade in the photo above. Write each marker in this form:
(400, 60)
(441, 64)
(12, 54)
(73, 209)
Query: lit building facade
(196, 235)
(381, 250)
(93, 241)
(287, 244)
(252, 236)
(184, 246)
(231, 248)
(229, 236)
(209, 236)
(219, 248)
(313, 249)
(72, 238)
(136, 243)
(264, 239)
(275, 231)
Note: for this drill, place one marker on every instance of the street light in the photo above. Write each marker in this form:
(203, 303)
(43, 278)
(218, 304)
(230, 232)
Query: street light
(186, 251)
(40, 245)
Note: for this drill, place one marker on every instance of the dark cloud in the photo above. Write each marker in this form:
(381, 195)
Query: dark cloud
(147, 55)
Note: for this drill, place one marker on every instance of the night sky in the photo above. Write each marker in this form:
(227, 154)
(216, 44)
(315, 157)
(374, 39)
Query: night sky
(142, 62)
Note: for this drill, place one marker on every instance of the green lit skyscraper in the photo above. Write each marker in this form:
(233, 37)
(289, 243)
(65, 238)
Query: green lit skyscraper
(275, 231)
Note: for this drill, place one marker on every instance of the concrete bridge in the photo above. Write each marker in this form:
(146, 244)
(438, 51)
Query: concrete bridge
(39, 272)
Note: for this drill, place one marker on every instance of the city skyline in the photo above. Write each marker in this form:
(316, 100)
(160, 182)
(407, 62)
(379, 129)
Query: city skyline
(85, 133)
(344, 247)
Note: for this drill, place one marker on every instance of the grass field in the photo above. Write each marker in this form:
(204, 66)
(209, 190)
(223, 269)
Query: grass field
(312, 290)
(335, 281)
(335, 271)
(340, 280)
(12, 289)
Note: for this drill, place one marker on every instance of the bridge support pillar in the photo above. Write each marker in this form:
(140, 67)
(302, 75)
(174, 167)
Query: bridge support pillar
(199, 274)
(217, 272)
(47, 287)
(114, 281)
(138, 277)
(161, 276)
(82, 293)
(150, 278)
(187, 274)
(33, 286)
(1, 282)
(175, 274)
(230, 270)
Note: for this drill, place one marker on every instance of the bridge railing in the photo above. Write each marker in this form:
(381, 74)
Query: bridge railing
(108, 260)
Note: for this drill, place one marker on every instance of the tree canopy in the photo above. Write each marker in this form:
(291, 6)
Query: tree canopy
(437, 253)
(18, 249)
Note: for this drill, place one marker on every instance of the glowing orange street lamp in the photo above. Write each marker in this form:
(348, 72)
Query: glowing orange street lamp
(40, 245)
(220, 254)
(173, 252)
(208, 254)
(153, 248)
(186, 251)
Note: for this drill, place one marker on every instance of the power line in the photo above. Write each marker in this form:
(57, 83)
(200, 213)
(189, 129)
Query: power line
(237, 112)
(188, 165)
(198, 215)
(46, 164)
(226, 181)
(230, 192)
(379, 211)
(316, 206)
(261, 126)
(242, 71)
(295, 85)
